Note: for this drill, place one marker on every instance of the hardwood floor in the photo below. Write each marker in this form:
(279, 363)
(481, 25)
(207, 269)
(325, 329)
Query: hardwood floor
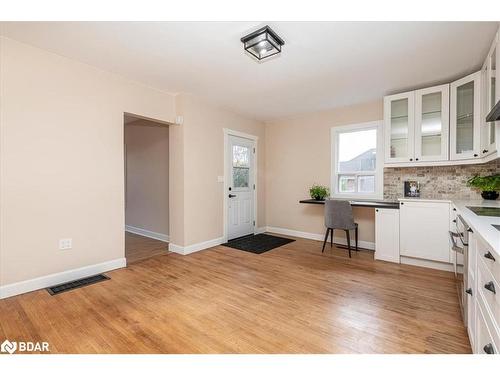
(292, 299)
(139, 247)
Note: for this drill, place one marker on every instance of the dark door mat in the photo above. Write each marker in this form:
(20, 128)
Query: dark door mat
(53, 290)
(257, 244)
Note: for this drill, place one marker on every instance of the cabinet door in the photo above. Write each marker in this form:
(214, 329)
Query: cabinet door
(387, 234)
(399, 135)
(471, 311)
(424, 230)
(432, 123)
(490, 98)
(465, 117)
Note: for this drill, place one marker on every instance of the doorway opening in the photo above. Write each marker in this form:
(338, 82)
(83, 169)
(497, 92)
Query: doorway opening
(146, 155)
(240, 184)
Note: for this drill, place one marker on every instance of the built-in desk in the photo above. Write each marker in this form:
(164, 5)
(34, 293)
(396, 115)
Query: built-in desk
(386, 226)
(361, 203)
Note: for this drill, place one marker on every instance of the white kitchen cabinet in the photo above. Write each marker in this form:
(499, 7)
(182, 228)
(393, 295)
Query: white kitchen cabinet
(491, 95)
(387, 234)
(465, 117)
(424, 230)
(416, 125)
(399, 131)
(432, 123)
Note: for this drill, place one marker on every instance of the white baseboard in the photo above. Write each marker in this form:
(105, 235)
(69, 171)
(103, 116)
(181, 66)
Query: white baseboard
(260, 230)
(21, 287)
(318, 237)
(427, 263)
(147, 233)
(185, 250)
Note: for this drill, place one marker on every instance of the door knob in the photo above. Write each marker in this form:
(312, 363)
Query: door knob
(231, 195)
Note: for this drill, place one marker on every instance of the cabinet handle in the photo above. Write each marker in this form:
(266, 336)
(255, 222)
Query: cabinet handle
(402, 203)
(454, 209)
(491, 287)
(476, 155)
(468, 291)
(231, 195)
(489, 256)
(485, 151)
(411, 159)
(376, 210)
(488, 349)
(454, 220)
(416, 159)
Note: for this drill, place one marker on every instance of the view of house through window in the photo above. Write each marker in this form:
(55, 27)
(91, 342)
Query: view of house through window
(355, 160)
(241, 166)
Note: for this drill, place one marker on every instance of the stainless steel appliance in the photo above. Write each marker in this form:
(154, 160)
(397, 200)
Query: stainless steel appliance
(460, 246)
(485, 211)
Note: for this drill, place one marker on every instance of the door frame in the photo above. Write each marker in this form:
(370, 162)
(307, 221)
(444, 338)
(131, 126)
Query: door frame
(228, 132)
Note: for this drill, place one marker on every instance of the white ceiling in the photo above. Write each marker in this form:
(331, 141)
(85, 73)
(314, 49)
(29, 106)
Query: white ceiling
(323, 64)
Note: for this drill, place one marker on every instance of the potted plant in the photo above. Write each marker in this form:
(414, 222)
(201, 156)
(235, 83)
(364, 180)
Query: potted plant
(489, 185)
(319, 192)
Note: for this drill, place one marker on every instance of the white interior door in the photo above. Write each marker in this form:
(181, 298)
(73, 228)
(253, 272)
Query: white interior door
(240, 194)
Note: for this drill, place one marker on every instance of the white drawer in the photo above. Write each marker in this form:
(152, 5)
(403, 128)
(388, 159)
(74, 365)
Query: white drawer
(489, 290)
(484, 339)
(485, 253)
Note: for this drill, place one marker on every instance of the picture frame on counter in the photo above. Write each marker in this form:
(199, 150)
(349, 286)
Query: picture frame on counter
(411, 189)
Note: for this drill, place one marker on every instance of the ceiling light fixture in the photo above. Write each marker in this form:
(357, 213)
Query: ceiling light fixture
(262, 43)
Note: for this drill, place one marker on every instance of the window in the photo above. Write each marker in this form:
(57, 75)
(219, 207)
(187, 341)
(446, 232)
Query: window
(241, 166)
(357, 170)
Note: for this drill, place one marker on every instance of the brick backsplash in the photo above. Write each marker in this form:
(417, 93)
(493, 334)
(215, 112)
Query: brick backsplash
(438, 182)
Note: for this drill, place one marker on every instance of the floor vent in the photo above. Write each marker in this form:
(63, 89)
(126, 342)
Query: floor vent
(76, 284)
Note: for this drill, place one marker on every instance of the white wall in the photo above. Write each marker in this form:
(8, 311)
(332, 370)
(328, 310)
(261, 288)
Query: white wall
(146, 205)
(298, 155)
(61, 160)
(198, 146)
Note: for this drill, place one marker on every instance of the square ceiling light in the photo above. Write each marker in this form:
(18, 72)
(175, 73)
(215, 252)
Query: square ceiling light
(262, 43)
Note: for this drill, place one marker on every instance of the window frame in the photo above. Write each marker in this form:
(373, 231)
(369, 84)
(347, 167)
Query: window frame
(379, 166)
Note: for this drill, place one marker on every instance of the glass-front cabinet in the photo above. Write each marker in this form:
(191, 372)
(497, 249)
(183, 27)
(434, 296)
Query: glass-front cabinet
(432, 123)
(399, 122)
(465, 117)
(491, 95)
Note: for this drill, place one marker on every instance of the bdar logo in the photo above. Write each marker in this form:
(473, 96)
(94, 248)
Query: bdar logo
(8, 347)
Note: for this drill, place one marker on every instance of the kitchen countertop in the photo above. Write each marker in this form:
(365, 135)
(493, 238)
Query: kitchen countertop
(383, 203)
(481, 224)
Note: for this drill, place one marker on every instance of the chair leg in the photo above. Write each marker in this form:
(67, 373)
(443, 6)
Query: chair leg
(356, 237)
(348, 242)
(331, 237)
(326, 239)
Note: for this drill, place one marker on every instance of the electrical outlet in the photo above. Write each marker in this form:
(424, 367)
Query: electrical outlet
(65, 243)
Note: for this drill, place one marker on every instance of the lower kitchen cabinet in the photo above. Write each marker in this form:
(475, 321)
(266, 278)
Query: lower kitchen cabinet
(387, 234)
(424, 227)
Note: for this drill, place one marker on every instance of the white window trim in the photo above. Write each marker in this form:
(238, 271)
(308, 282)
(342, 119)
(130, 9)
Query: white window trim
(379, 170)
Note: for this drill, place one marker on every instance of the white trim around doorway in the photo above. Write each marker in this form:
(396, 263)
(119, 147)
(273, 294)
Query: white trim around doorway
(227, 133)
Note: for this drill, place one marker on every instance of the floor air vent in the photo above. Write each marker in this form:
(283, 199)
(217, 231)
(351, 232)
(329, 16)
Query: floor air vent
(76, 284)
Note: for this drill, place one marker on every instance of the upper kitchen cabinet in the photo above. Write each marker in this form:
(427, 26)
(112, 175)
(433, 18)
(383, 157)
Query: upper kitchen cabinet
(416, 125)
(465, 118)
(491, 95)
(399, 123)
(432, 123)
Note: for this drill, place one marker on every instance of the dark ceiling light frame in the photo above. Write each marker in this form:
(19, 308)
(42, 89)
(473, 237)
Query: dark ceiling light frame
(267, 35)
